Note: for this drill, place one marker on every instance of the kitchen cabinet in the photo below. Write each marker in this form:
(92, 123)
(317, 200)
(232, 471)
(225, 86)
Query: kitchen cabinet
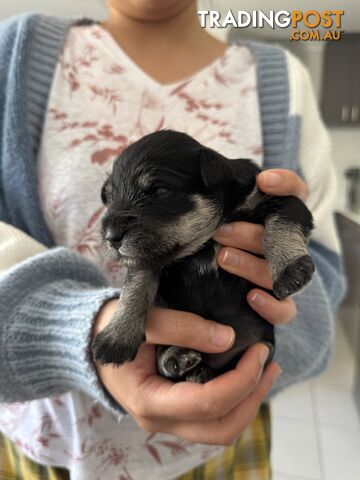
(340, 102)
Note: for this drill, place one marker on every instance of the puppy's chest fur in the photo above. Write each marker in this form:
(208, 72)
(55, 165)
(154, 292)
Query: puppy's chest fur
(190, 283)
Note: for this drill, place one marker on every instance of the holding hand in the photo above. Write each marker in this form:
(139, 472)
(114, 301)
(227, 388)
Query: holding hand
(215, 412)
(242, 239)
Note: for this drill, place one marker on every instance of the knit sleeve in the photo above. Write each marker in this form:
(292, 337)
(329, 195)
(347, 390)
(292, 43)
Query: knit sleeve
(304, 347)
(48, 303)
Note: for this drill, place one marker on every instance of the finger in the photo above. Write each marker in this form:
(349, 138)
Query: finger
(189, 401)
(224, 430)
(244, 235)
(245, 265)
(282, 182)
(183, 329)
(271, 309)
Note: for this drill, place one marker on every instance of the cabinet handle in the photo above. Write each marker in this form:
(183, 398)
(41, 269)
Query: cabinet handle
(354, 113)
(345, 113)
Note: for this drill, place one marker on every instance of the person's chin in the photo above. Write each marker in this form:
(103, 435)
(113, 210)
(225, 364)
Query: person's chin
(156, 10)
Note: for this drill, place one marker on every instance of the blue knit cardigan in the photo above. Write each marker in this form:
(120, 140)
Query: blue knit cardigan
(48, 303)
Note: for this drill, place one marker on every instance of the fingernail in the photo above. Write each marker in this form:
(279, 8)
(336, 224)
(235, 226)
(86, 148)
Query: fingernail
(257, 299)
(230, 258)
(263, 354)
(224, 230)
(222, 336)
(271, 179)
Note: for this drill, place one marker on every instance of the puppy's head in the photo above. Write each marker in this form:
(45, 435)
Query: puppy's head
(164, 198)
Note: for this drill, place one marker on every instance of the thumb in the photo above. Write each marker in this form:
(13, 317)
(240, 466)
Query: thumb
(282, 182)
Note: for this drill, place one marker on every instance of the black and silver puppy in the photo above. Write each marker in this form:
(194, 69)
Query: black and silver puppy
(166, 196)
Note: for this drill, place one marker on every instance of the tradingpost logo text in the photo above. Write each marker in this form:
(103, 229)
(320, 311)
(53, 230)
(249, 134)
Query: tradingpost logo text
(308, 25)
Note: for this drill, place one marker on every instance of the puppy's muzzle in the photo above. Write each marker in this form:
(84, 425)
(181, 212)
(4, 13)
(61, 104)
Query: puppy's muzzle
(115, 228)
(114, 236)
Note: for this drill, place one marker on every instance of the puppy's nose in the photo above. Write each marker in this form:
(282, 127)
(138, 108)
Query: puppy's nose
(114, 236)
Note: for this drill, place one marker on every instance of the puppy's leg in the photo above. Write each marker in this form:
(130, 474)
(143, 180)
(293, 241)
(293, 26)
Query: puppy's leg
(122, 337)
(285, 247)
(288, 224)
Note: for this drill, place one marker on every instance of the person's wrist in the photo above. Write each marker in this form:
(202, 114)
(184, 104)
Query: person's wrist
(104, 316)
(102, 319)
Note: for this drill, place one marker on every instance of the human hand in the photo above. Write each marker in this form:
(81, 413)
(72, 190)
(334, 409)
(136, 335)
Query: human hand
(214, 412)
(237, 237)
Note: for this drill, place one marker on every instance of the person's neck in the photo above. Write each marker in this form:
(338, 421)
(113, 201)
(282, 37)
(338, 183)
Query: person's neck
(168, 50)
(183, 30)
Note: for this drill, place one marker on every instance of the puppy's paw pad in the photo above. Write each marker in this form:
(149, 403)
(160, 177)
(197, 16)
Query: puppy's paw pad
(200, 374)
(109, 349)
(177, 361)
(294, 277)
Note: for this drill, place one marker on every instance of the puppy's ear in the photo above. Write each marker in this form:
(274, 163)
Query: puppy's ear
(214, 169)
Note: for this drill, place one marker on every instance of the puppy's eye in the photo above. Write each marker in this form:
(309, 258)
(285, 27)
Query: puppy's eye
(158, 191)
(103, 195)
(106, 192)
(161, 191)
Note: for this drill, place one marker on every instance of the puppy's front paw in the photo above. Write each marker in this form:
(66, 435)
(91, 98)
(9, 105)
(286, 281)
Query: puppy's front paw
(175, 362)
(110, 348)
(294, 277)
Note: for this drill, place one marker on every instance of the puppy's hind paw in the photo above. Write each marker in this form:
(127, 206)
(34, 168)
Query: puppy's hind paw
(175, 362)
(200, 374)
(294, 277)
(107, 348)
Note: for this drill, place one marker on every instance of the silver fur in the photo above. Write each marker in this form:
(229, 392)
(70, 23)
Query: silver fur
(252, 200)
(210, 267)
(284, 243)
(203, 219)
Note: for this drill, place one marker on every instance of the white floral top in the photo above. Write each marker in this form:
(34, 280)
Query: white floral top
(100, 103)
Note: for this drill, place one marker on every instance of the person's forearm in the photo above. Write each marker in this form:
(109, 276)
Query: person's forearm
(48, 304)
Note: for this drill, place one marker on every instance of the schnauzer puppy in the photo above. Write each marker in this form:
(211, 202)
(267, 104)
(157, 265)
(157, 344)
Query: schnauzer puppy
(166, 196)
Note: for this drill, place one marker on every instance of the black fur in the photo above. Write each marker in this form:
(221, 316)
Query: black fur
(166, 196)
